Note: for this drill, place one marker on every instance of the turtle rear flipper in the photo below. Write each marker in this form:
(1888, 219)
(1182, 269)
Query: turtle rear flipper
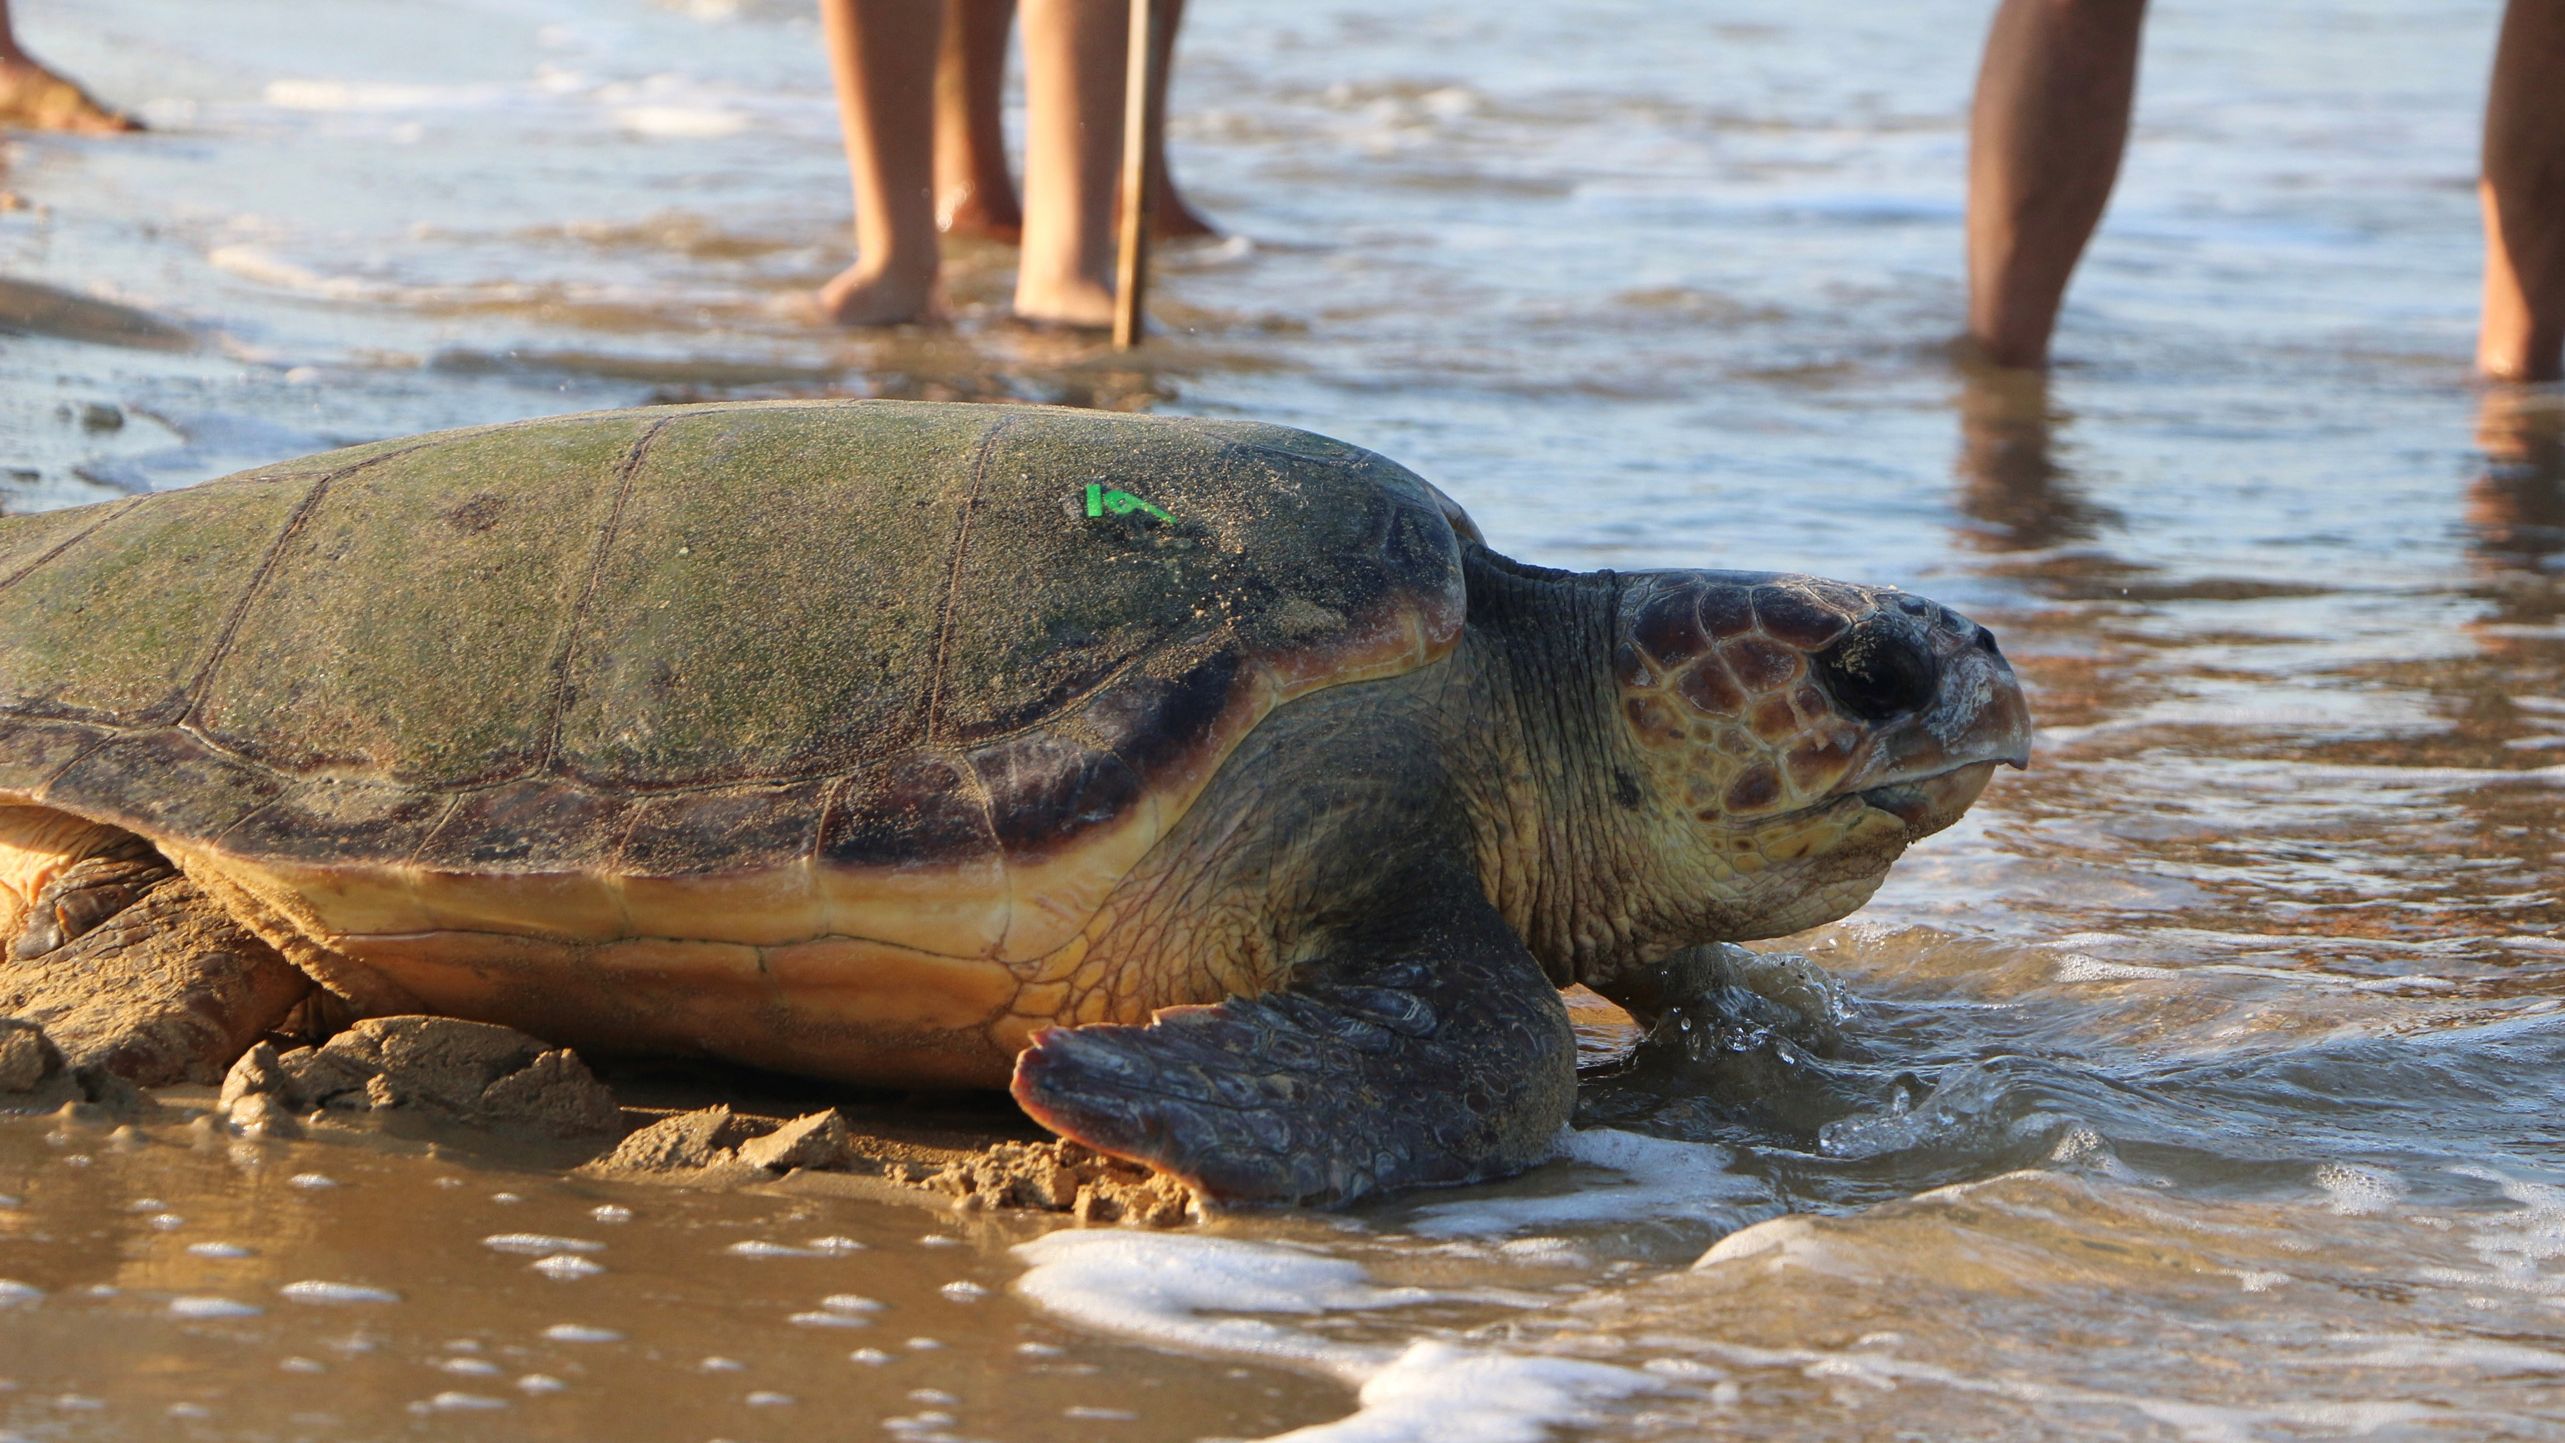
(126, 963)
(1447, 1065)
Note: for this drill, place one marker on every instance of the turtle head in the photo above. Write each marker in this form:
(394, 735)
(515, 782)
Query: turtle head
(1798, 734)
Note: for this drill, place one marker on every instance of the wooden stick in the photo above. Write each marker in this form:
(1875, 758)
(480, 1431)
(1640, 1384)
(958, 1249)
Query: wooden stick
(1144, 118)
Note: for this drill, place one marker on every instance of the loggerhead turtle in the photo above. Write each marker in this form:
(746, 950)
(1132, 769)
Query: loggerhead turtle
(1212, 783)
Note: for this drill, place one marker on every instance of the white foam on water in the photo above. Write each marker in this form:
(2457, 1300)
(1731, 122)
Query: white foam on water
(680, 122)
(2491, 1355)
(538, 1244)
(2357, 1191)
(212, 1308)
(567, 1267)
(315, 1291)
(1546, 1251)
(1658, 1178)
(218, 1250)
(15, 1294)
(2083, 967)
(826, 1319)
(761, 1248)
(581, 1333)
(349, 95)
(453, 1402)
(1187, 1293)
(2196, 1422)
(1159, 1289)
(251, 263)
(1442, 1392)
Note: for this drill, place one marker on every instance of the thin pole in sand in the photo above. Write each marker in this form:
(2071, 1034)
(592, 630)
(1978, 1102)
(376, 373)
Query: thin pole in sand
(1144, 117)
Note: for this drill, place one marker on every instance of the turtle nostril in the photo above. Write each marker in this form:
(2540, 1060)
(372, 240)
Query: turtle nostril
(1986, 642)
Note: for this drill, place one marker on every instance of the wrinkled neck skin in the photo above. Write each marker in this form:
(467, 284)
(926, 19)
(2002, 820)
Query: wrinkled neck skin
(1508, 763)
(1528, 721)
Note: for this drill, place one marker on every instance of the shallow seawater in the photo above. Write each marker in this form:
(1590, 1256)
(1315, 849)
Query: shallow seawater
(2207, 1082)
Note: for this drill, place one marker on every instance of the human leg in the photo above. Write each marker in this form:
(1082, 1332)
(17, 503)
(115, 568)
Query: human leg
(1175, 219)
(1074, 55)
(2045, 135)
(974, 190)
(2523, 194)
(882, 54)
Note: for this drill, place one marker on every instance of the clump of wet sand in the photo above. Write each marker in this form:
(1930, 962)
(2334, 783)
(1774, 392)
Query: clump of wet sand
(35, 1078)
(502, 1084)
(1063, 1177)
(826, 1152)
(468, 1072)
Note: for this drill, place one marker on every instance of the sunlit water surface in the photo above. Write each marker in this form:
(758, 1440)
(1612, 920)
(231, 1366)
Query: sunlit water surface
(2207, 1083)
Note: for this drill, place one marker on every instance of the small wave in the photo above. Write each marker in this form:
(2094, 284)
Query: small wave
(1160, 1290)
(1660, 1178)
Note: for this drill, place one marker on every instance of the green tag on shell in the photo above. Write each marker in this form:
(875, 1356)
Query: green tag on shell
(1120, 503)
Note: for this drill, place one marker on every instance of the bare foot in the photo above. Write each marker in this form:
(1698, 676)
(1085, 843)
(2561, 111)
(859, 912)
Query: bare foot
(984, 216)
(1178, 221)
(2513, 345)
(34, 98)
(1073, 302)
(860, 296)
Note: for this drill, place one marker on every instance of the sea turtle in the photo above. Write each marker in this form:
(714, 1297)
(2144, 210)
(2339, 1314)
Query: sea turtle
(1210, 783)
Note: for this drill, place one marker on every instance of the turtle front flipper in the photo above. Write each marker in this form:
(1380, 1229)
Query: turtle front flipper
(1431, 1065)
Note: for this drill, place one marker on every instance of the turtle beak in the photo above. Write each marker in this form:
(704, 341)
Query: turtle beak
(1975, 715)
(1979, 714)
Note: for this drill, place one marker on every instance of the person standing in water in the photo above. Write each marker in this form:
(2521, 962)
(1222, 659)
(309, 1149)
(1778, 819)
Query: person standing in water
(974, 188)
(2051, 118)
(883, 55)
(33, 97)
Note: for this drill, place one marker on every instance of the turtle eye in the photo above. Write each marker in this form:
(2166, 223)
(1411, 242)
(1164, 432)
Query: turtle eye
(1877, 671)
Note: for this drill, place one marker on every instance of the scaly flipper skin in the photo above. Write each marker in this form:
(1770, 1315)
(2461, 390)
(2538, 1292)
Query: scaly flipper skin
(1446, 1060)
(87, 893)
(129, 966)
